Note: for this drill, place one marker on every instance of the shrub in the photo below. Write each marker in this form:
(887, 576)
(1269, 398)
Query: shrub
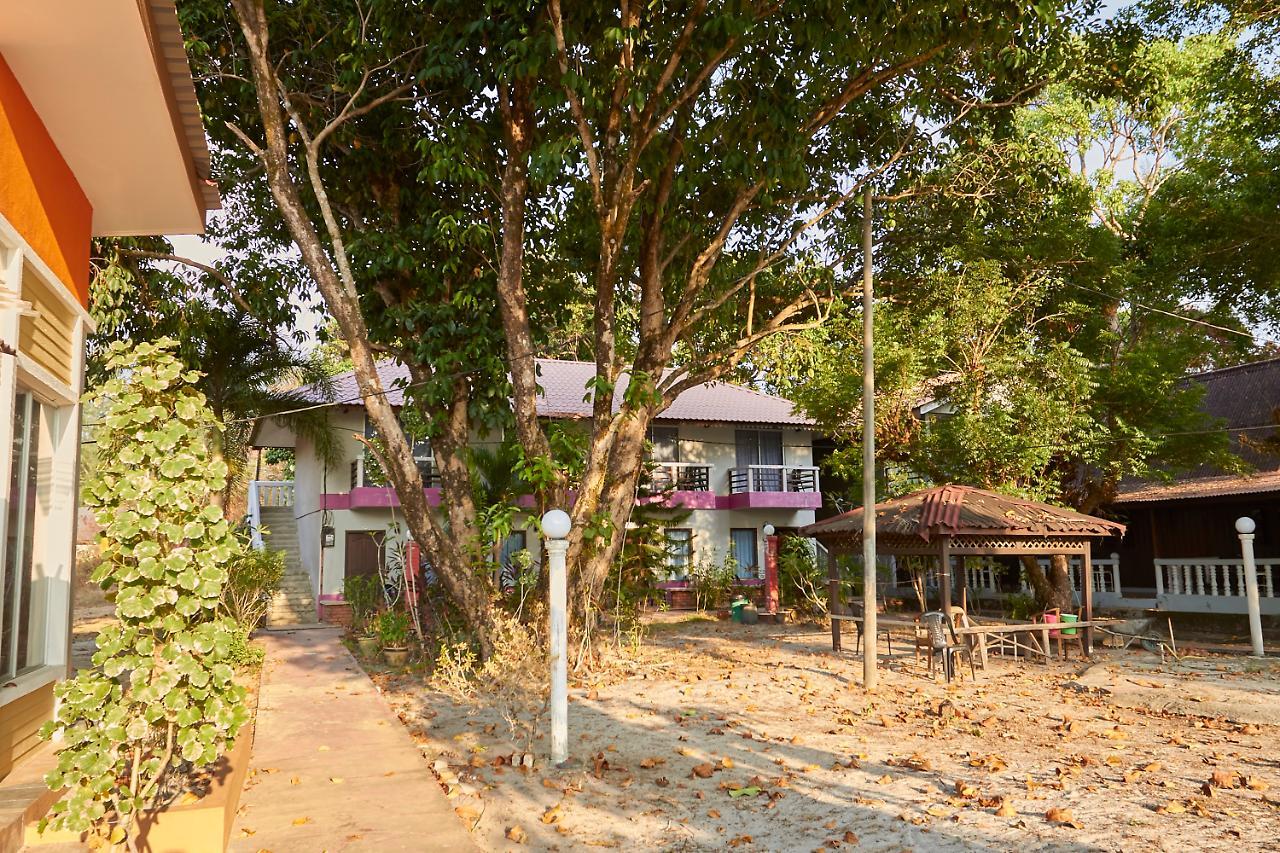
(362, 592)
(243, 654)
(393, 628)
(160, 694)
(713, 580)
(253, 578)
(802, 583)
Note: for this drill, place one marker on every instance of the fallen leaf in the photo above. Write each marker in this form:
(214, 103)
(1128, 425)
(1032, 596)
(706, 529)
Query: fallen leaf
(1171, 807)
(517, 834)
(652, 762)
(301, 821)
(749, 791)
(551, 815)
(703, 771)
(1063, 816)
(1254, 783)
(1223, 779)
(938, 811)
(1006, 810)
(849, 837)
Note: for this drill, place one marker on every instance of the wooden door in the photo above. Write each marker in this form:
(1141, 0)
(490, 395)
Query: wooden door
(362, 552)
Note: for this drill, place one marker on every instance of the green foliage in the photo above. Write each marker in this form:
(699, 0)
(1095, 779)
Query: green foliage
(393, 628)
(363, 593)
(243, 654)
(712, 580)
(802, 583)
(254, 576)
(160, 695)
(1021, 606)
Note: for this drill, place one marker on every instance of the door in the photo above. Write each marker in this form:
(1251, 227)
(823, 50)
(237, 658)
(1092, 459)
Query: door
(363, 549)
(760, 447)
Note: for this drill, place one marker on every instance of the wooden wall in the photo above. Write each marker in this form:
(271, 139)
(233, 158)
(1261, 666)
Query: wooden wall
(20, 721)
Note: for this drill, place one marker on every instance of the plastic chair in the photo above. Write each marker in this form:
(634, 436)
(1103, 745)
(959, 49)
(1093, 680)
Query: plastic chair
(947, 649)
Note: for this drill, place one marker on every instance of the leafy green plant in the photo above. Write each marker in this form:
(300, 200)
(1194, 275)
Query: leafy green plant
(393, 629)
(254, 575)
(160, 696)
(713, 580)
(1021, 606)
(802, 583)
(362, 592)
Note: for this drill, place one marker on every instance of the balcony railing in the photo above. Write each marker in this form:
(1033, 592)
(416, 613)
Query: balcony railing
(678, 476)
(773, 478)
(372, 476)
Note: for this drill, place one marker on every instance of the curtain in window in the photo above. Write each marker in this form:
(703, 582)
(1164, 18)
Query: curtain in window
(742, 548)
(679, 553)
(760, 447)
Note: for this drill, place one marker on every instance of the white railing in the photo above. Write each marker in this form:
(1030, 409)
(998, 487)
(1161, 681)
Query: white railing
(981, 575)
(773, 478)
(681, 476)
(1214, 578)
(1106, 574)
(266, 493)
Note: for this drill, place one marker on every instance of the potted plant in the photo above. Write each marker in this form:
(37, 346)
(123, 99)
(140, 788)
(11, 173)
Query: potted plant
(361, 594)
(393, 631)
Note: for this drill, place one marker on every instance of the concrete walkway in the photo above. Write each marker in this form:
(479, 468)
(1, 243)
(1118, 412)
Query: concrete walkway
(332, 767)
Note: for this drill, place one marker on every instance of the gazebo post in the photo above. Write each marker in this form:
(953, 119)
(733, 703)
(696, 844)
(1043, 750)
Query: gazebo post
(1086, 582)
(834, 605)
(944, 575)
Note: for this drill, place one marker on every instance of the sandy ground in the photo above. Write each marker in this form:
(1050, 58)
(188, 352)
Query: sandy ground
(720, 736)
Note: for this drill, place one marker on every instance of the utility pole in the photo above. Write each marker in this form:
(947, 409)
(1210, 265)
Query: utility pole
(868, 459)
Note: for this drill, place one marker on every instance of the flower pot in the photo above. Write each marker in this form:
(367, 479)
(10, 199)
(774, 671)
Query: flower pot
(368, 646)
(396, 657)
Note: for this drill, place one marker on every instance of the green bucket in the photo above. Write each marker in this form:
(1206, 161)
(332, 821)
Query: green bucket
(1069, 617)
(735, 609)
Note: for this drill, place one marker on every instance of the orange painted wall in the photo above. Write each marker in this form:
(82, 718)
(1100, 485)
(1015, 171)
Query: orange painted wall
(39, 194)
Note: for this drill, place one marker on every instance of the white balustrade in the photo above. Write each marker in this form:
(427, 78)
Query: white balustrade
(266, 493)
(1212, 578)
(682, 476)
(1106, 573)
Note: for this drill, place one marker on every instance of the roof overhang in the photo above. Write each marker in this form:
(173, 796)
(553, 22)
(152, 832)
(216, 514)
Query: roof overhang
(110, 81)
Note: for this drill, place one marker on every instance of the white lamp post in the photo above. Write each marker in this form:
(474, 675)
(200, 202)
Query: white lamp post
(1245, 527)
(555, 531)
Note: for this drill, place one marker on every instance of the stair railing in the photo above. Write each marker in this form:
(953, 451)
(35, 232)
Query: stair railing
(265, 493)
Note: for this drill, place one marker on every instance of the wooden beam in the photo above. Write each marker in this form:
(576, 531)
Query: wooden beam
(1086, 583)
(835, 606)
(944, 575)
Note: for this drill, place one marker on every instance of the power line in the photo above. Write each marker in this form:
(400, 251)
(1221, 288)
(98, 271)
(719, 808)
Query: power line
(1176, 316)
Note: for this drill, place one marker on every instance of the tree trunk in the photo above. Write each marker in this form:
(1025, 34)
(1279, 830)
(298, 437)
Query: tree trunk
(334, 278)
(1053, 590)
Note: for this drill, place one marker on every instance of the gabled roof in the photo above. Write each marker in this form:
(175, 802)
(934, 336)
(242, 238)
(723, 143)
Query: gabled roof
(964, 510)
(565, 395)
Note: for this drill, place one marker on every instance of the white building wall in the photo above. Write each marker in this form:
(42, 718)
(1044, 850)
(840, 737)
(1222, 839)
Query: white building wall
(710, 444)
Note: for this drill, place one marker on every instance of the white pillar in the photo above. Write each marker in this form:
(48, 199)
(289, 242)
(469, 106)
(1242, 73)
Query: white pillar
(1245, 527)
(555, 529)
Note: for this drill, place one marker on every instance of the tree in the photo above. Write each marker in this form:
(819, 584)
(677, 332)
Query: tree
(161, 692)
(675, 169)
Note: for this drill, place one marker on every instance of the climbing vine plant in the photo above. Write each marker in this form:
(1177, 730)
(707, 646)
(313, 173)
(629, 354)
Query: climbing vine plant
(160, 698)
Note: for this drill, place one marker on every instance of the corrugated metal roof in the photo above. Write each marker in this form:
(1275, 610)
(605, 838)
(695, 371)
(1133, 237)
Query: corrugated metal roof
(565, 395)
(964, 510)
(1201, 487)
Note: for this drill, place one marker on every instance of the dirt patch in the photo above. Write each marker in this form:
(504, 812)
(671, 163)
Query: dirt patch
(718, 736)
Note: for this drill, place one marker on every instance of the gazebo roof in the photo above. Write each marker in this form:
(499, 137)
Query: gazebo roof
(961, 511)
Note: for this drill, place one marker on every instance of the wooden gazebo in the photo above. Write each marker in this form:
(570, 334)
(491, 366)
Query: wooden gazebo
(961, 521)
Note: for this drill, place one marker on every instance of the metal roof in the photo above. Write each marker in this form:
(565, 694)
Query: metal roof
(965, 511)
(565, 395)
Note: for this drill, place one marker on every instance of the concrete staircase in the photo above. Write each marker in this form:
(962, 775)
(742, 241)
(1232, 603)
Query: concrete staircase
(295, 603)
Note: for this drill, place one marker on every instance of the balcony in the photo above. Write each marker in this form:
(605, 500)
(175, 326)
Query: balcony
(772, 487)
(682, 484)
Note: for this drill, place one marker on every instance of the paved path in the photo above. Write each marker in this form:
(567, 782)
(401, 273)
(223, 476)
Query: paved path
(332, 767)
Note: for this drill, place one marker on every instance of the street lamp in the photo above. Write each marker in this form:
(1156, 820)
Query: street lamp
(771, 598)
(555, 530)
(1245, 528)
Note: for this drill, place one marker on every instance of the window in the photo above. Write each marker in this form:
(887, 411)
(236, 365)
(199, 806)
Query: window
(665, 442)
(760, 447)
(509, 574)
(679, 552)
(743, 550)
(22, 609)
(373, 473)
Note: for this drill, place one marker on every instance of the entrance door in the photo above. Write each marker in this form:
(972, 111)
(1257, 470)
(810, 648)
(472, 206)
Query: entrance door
(362, 552)
(760, 447)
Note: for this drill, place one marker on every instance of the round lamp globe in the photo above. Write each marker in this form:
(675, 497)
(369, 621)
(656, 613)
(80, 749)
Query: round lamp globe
(1245, 524)
(556, 524)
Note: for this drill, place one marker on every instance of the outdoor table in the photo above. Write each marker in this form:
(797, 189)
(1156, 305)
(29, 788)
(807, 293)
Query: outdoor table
(981, 632)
